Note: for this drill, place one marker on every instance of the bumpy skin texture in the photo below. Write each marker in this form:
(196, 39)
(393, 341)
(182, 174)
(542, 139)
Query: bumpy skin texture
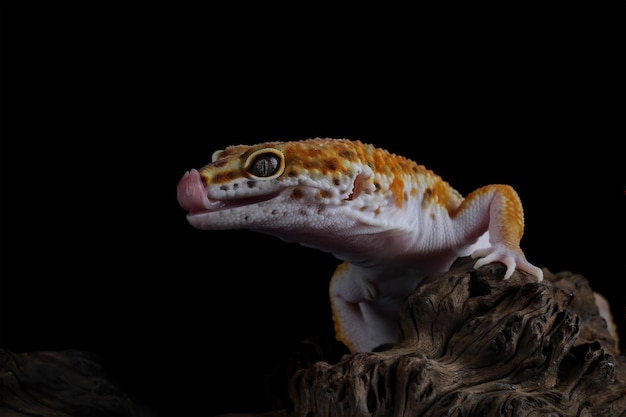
(392, 221)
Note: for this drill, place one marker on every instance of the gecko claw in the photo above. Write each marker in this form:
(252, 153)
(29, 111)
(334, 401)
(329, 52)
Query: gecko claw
(510, 258)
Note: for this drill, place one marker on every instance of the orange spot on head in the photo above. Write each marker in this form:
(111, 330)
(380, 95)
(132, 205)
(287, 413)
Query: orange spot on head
(330, 165)
(347, 155)
(223, 177)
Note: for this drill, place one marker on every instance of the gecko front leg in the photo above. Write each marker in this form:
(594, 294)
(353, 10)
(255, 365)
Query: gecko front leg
(498, 209)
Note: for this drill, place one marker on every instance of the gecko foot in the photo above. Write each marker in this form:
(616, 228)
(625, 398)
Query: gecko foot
(510, 258)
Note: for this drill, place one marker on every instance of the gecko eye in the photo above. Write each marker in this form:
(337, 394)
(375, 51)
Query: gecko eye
(265, 164)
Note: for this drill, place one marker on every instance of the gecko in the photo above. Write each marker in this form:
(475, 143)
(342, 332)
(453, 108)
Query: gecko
(390, 221)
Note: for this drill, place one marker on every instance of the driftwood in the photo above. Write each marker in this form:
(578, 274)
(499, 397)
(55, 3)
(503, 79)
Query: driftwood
(472, 344)
(475, 345)
(58, 384)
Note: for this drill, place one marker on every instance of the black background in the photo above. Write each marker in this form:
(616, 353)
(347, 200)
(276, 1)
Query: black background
(106, 105)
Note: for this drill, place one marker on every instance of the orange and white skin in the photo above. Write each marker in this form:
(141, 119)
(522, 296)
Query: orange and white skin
(391, 221)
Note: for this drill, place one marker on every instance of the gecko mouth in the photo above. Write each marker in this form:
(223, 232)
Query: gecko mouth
(192, 196)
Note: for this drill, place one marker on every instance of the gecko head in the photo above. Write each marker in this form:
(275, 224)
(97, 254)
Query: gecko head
(302, 186)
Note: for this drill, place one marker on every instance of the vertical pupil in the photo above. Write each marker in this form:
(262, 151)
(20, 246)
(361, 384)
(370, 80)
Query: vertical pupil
(265, 165)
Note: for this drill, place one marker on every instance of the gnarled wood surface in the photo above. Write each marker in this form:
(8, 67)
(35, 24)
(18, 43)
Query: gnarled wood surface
(58, 384)
(475, 345)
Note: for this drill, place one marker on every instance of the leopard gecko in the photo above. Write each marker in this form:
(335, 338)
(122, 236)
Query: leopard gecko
(391, 221)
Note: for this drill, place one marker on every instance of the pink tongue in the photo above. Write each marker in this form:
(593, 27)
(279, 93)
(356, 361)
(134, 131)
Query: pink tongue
(191, 193)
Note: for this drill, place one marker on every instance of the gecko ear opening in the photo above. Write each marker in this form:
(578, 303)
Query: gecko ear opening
(357, 187)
